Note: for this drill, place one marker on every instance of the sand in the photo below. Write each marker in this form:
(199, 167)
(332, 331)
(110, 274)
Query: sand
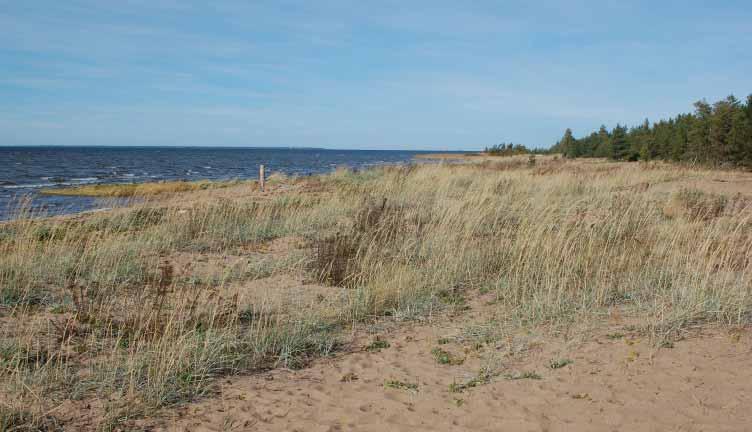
(617, 381)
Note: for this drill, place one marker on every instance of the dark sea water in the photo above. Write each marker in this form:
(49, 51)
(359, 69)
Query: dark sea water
(25, 170)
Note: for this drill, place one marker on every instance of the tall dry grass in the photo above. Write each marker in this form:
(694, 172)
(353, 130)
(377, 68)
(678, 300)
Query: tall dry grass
(109, 306)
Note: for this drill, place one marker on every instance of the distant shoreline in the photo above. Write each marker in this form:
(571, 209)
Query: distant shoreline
(448, 155)
(178, 147)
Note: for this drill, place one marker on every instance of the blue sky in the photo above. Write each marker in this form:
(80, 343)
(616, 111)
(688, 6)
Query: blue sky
(350, 74)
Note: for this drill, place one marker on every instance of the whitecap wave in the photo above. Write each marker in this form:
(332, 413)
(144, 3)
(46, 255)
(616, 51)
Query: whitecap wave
(30, 186)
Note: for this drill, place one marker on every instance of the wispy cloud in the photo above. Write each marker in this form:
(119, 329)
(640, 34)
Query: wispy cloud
(435, 74)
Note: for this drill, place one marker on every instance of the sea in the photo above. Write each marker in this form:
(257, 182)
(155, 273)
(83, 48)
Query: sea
(26, 170)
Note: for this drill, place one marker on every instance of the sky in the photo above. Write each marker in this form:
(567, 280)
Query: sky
(431, 75)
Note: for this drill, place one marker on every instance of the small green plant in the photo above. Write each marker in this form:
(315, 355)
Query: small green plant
(614, 336)
(445, 357)
(349, 377)
(459, 387)
(58, 309)
(377, 345)
(443, 341)
(401, 385)
(523, 375)
(479, 335)
(666, 344)
(485, 375)
(454, 298)
(560, 363)
(248, 315)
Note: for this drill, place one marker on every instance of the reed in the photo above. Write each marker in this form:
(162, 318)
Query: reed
(123, 190)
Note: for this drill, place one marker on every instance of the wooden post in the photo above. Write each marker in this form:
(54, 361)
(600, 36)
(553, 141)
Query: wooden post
(262, 180)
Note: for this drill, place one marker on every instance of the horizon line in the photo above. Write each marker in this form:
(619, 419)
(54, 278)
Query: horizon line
(226, 147)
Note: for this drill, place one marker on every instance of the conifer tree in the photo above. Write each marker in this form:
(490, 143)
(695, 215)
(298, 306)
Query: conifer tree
(699, 134)
(619, 144)
(569, 144)
(740, 139)
(603, 148)
(677, 144)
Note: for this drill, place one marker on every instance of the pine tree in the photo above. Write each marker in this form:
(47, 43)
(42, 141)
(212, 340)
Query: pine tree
(740, 139)
(619, 143)
(677, 143)
(719, 147)
(699, 134)
(569, 144)
(643, 146)
(603, 147)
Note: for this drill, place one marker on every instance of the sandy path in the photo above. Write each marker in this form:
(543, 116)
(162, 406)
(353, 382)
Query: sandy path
(703, 383)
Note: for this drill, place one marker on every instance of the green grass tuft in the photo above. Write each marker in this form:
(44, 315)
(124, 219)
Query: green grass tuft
(560, 363)
(445, 357)
(401, 385)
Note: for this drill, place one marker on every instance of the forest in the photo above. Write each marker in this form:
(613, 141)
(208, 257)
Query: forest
(714, 134)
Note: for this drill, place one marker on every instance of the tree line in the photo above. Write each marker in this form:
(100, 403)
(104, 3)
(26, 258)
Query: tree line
(511, 149)
(717, 134)
(505, 149)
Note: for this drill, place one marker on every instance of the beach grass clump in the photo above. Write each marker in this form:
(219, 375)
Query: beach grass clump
(484, 376)
(559, 363)
(694, 204)
(523, 376)
(445, 357)
(377, 345)
(401, 385)
(18, 420)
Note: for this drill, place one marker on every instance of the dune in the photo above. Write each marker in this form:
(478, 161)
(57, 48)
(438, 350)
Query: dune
(492, 294)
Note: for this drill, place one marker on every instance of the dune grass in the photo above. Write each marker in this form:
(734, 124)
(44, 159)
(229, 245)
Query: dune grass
(114, 306)
(122, 190)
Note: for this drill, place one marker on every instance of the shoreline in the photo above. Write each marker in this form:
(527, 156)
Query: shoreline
(443, 155)
(31, 168)
(68, 195)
